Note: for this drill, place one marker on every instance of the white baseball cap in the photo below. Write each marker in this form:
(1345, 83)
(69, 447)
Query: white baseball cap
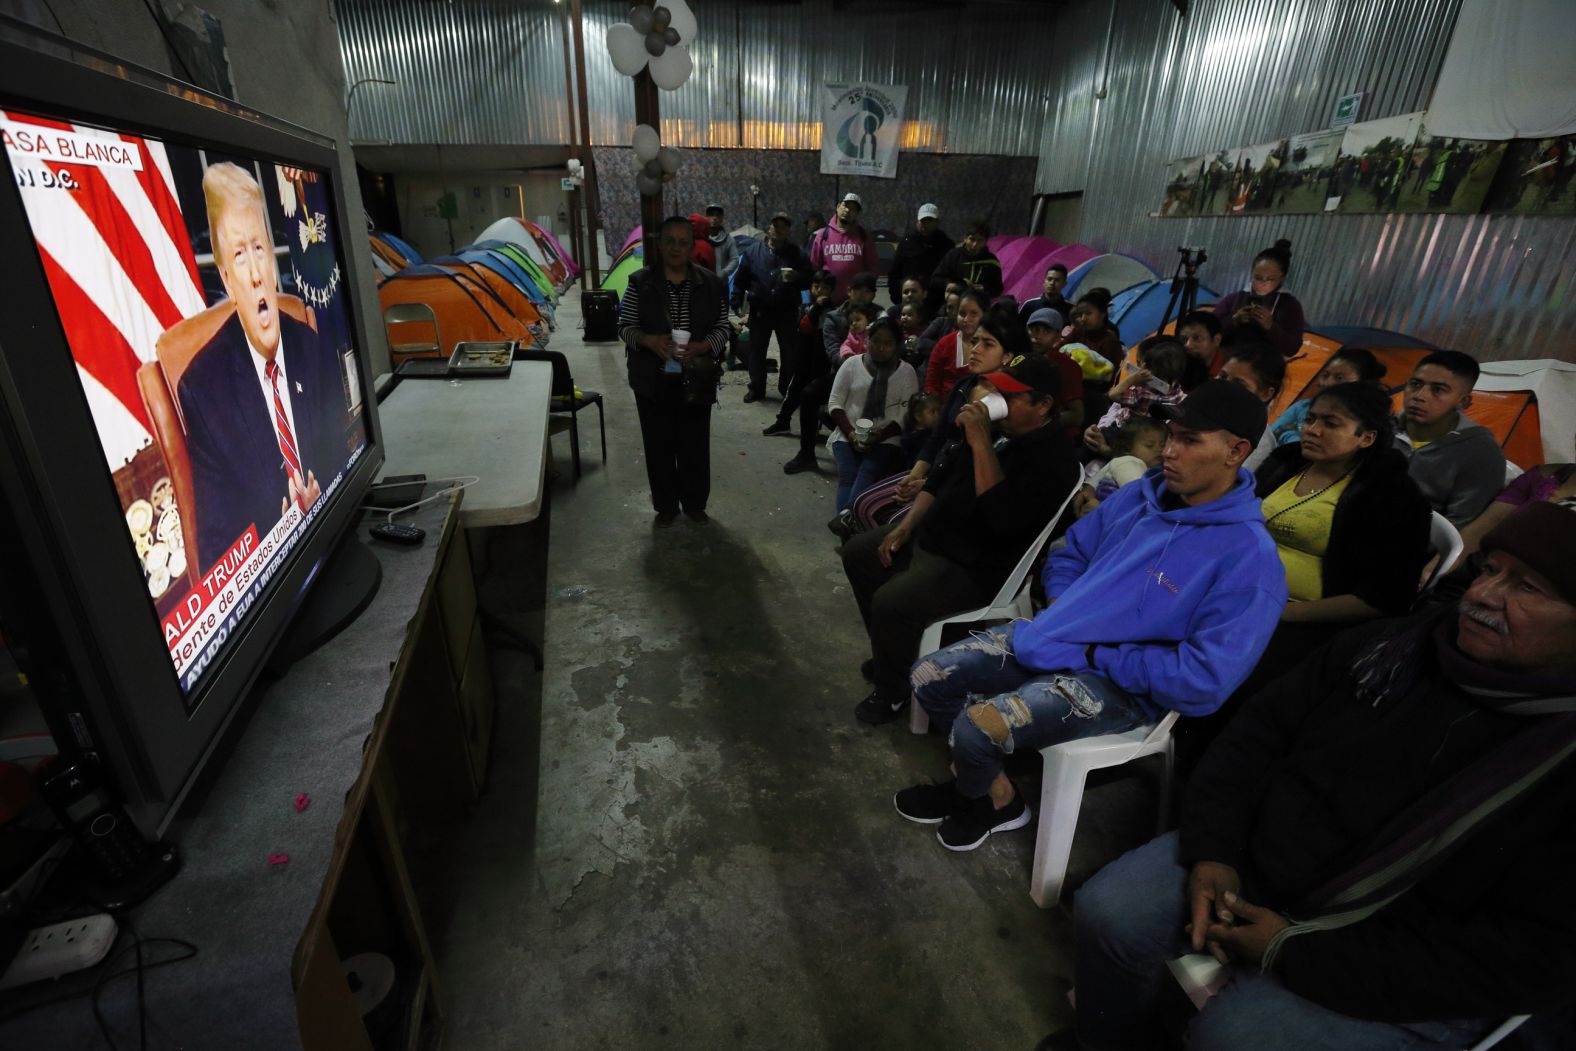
(929, 211)
(853, 198)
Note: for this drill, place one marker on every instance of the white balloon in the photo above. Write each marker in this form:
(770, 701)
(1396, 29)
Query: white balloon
(668, 157)
(627, 48)
(574, 164)
(646, 142)
(672, 68)
(683, 19)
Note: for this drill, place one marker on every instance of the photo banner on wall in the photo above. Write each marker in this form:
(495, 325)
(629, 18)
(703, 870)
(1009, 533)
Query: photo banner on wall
(861, 129)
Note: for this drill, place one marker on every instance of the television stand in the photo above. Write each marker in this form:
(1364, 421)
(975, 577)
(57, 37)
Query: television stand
(343, 586)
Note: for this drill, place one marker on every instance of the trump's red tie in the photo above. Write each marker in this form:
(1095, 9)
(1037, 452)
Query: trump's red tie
(287, 444)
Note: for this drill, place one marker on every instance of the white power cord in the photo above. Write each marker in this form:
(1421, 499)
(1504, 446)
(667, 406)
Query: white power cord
(462, 482)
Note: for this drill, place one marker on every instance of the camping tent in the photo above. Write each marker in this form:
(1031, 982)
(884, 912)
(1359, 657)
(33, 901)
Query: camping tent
(523, 260)
(502, 285)
(467, 308)
(1027, 280)
(517, 231)
(1137, 310)
(1552, 415)
(390, 255)
(1399, 353)
(503, 264)
(1509, 400)
(1112, 271)
(617, 279)
(1021, 274)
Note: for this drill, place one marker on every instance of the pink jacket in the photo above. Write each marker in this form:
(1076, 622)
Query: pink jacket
(844, 254)
(853, 346)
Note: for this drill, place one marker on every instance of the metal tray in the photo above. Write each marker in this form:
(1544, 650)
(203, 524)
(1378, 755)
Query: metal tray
(482, 359)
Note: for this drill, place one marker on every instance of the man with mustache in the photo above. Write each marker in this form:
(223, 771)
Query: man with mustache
(263, 405)
(1381, 844)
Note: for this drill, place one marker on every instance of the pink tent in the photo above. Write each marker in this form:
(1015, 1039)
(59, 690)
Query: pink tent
(1030, 281)
(1019, 252)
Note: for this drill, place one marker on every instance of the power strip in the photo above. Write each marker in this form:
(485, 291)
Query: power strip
(61, 948)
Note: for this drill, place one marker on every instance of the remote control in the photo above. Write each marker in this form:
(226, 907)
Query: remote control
(395, 533)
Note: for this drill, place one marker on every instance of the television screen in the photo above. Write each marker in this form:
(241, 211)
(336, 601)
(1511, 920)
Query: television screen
(204, 301)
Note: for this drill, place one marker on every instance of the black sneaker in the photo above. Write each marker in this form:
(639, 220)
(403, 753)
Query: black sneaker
(753, 395)
(776, 427)
(972, 823)
(842, 526)
(868, 670)
(800, 463)
(877, 711)
(929, 804)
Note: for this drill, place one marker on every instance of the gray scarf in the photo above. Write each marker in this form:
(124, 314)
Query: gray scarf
(876, 399)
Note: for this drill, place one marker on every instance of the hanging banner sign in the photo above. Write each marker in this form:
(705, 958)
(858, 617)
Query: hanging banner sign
(860, 128)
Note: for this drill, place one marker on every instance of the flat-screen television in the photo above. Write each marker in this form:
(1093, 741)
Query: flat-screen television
(188, 424)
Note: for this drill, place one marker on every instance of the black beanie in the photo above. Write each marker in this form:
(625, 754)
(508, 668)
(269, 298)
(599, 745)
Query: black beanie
(1540, 535)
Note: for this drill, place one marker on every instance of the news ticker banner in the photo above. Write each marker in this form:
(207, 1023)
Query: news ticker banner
(202, 622)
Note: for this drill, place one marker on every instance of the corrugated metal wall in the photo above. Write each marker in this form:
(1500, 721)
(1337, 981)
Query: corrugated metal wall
(466, 71)
(1239, 72)
(492, 71)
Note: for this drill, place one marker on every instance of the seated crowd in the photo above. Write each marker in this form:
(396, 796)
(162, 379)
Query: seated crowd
(1374, 830)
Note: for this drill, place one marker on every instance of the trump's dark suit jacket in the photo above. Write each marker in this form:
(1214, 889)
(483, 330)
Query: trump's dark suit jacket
(237, 468)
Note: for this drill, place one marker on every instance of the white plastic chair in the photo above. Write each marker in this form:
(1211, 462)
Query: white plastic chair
(1067, 765)
(1012, 602)
(1446, 542)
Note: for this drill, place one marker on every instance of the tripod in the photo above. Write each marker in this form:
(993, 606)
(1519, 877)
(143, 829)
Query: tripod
(1184, 285)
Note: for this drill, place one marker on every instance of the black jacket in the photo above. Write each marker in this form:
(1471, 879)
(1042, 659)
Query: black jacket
(916, 256)
(237, 467)
(983, 269)
(1301, 779)
(1379, 535)
(988, 533)
(708, 321)
(759, 277)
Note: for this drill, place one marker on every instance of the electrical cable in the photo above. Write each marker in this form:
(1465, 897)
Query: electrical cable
(465, 482)
(107, 976)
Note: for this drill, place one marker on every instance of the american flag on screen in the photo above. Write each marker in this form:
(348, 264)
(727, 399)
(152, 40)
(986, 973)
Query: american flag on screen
(117, 255)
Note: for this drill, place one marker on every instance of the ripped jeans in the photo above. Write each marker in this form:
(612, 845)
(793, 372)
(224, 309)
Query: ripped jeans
(996, 706)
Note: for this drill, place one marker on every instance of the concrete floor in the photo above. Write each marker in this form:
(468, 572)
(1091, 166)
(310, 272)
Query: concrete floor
(688, 841)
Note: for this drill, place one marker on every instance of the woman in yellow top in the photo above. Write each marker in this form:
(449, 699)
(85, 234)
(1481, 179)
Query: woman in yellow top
(1350, 524)
(1351, 528)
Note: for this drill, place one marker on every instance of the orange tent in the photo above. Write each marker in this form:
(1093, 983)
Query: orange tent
(1511, 415)
(467, 309)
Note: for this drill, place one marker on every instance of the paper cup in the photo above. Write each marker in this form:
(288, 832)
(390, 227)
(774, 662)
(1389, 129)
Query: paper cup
(681, 337)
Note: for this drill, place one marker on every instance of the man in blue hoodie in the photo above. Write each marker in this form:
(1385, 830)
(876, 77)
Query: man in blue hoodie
(1162, 600)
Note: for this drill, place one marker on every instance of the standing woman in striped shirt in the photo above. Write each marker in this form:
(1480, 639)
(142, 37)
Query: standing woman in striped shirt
(669, 295)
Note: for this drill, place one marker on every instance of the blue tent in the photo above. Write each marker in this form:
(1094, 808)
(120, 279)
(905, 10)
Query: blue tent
(402, 247)
(505, 267)
(1112, 271)
(1137, 310)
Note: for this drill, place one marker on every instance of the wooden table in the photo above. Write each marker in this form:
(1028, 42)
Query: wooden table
(495, 429)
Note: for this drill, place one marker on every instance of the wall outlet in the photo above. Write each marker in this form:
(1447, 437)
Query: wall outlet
(61, 948)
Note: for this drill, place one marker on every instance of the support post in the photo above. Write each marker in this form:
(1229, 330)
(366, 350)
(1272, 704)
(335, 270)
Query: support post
(576, 244)
(593, 197)
(648, 111)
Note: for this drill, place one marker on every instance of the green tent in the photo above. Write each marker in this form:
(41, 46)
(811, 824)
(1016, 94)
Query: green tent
(617, 279)
(535, 272)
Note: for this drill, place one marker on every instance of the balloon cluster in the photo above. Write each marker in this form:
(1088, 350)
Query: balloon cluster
(658, 163)
(658, 37)
(577, 171)
(657, 25)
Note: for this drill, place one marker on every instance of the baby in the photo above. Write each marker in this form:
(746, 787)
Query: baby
(1156, 381)
(860, 316)
(1136, 446)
